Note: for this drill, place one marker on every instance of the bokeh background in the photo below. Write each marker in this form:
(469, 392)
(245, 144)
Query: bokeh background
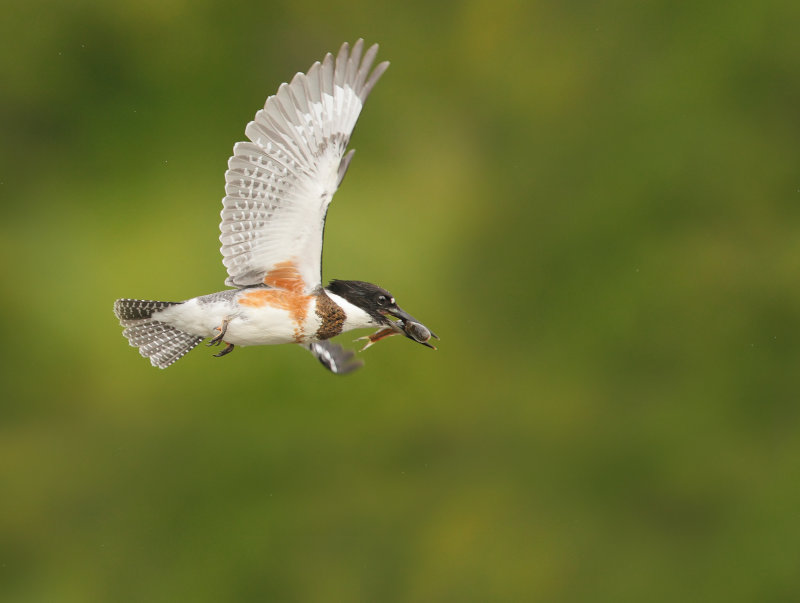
(595, 205)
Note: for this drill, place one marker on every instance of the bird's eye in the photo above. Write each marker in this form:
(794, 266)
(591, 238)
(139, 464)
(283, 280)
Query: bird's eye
(382, 300)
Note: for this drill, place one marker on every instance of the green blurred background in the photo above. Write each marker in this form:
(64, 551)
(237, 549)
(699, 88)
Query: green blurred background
(595, 205)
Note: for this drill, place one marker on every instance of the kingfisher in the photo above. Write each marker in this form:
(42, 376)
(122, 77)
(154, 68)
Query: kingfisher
(279, 185)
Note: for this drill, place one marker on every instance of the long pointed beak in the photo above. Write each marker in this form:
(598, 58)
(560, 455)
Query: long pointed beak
(412, 328)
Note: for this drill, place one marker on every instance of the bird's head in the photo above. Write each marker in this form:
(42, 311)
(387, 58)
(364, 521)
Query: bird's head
(381, 306)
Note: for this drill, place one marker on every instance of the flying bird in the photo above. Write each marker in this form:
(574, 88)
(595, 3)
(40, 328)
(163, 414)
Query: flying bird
(278, 189)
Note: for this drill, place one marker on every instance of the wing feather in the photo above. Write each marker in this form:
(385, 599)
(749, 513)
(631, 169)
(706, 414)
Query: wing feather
(278, 186)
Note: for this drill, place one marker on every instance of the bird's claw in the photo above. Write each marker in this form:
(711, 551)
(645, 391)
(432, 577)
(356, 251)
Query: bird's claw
(222, 330)
(227, 350)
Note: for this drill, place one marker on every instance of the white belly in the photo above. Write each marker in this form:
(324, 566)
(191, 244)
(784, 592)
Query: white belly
(262, 325)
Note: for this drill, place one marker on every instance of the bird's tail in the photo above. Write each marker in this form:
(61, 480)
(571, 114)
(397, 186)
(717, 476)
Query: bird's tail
(161, 343)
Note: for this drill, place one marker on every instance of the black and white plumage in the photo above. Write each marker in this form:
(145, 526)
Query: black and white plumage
(278, 189)
(279, 185)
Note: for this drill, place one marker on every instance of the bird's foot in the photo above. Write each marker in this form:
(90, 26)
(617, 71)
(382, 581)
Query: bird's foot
(222, 330)
(227, 350)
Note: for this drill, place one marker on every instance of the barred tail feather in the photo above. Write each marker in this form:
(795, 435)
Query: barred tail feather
(161, 343)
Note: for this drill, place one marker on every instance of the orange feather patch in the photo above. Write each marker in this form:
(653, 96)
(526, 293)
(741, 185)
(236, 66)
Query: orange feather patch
(285, 275)
(286, 294)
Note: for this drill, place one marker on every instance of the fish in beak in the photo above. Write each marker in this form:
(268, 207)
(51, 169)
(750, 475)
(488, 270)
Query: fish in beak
(405, 324)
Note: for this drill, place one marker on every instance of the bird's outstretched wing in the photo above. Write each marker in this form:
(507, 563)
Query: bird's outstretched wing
(279, 185)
